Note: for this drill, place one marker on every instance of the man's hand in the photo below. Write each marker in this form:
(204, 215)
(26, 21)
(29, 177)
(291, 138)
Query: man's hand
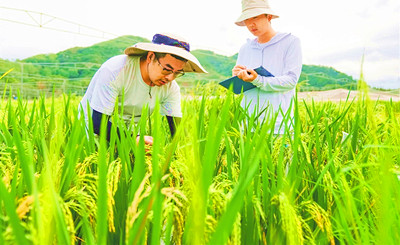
(247, 75)
(148, 140)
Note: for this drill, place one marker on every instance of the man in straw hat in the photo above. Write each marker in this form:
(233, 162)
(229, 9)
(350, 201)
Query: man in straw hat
(144, 75)
(279, 53)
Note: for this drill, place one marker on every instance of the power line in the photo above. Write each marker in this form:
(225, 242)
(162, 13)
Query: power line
(48, 78)
(67, 65)
(42, 20)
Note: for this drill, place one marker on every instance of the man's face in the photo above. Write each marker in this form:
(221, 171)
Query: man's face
(258, 25)
(165, 69)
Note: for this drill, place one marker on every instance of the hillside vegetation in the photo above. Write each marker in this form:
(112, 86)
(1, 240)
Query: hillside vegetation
(77, 65)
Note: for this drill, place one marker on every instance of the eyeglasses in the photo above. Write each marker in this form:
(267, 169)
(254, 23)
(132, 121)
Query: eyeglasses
(167, 71)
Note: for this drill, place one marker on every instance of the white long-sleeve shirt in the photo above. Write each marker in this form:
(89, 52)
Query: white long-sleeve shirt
(282, 57)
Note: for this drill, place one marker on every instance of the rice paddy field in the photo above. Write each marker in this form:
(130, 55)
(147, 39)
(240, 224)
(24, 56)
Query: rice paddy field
(334, 178)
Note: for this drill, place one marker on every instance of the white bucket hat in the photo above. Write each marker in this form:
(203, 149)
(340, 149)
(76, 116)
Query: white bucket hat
(170, 44)
(253, 8)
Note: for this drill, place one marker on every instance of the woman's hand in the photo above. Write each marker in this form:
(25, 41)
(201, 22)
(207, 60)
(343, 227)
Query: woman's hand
(247, 75)
(237, 69)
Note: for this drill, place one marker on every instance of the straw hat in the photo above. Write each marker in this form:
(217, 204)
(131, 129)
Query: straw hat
(253, 8)
(170, 44)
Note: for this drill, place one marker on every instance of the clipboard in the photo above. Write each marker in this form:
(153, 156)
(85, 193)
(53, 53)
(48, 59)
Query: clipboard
(238, 85)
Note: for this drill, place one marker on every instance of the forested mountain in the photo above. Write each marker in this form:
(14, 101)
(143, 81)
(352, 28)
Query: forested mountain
(97, 53)
(325, 78)
(80, 63)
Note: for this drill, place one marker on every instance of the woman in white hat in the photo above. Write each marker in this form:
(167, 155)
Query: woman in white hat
(143, 75)
(279, 53)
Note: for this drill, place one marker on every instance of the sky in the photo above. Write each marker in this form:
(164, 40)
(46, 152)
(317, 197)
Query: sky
(332, 33)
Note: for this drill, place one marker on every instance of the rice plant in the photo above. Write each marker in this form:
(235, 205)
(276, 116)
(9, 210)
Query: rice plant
(223, 178)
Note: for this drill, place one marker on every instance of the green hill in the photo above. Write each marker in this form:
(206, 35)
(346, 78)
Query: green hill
(97, 53)
(325, 78)
(77, 66)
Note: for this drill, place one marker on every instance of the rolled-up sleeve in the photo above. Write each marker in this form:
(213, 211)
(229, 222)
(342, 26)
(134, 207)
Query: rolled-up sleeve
(105, 93)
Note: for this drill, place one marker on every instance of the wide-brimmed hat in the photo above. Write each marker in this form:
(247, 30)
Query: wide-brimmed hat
(170, 44)
(253, 8)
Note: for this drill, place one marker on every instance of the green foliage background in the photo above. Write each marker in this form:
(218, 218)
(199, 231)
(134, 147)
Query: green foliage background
(82, 62)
